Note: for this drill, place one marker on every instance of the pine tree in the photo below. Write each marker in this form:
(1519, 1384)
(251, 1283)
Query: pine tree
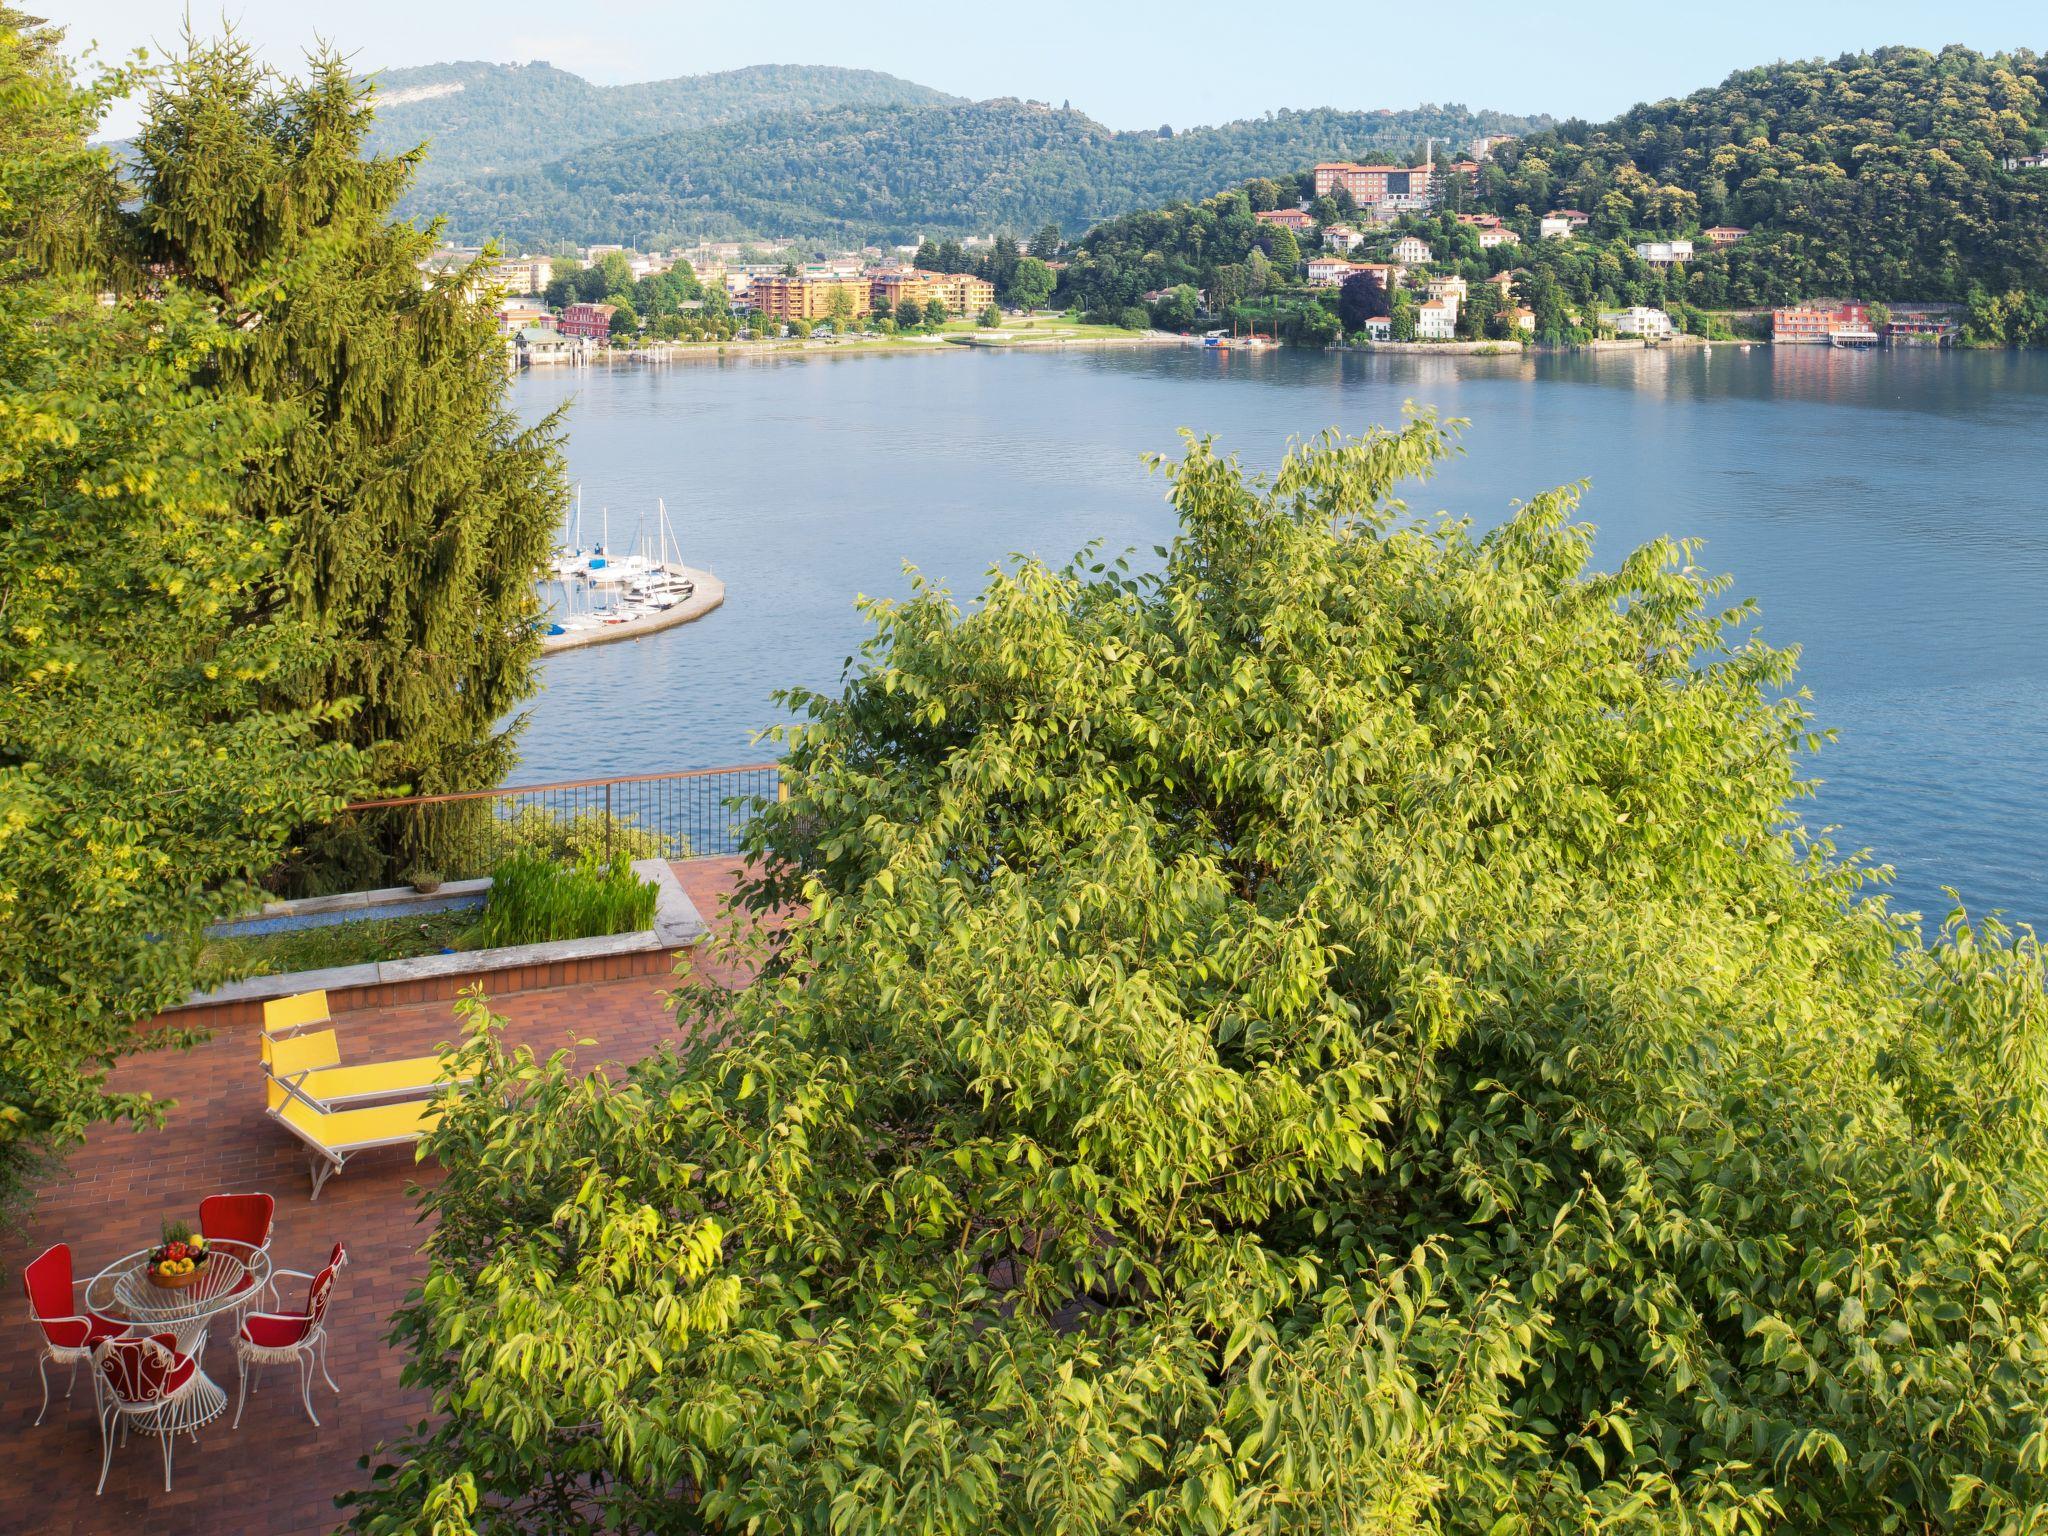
(420, 514)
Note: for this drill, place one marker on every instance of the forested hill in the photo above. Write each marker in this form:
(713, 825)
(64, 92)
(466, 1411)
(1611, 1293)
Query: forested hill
(1877, 174)
(479, 118)
(893, 172)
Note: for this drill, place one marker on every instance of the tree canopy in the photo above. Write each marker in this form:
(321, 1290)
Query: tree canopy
(1875, 174)
(892, 172)
(418, 512)
(1345, 1031)
(145, 780)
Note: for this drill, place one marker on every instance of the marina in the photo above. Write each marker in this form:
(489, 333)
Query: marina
(601, 597)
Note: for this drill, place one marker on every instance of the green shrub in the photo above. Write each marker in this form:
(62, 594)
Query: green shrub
(569, 839)
(535, 900)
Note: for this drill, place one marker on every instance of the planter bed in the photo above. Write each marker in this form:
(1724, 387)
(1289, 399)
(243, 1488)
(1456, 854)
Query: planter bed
(423, 978)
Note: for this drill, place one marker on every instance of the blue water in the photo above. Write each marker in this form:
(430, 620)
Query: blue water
(1886, 510)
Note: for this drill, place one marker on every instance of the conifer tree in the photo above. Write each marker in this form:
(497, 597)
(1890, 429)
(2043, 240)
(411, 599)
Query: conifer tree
(420, 513)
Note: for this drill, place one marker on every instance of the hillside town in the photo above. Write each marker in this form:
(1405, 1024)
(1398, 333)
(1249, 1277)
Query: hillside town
(1345, 253)
(721, 290)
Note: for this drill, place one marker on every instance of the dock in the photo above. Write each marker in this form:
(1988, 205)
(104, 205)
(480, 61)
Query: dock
(709, 594)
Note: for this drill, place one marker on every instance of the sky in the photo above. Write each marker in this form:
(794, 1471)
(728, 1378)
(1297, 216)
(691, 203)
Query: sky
(1128, 63)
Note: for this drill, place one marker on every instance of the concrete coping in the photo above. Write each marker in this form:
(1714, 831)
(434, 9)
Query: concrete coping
(353, 901)
(677, 925)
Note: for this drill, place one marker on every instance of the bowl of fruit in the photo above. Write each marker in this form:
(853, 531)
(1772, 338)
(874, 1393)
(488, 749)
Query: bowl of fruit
(178, 1260)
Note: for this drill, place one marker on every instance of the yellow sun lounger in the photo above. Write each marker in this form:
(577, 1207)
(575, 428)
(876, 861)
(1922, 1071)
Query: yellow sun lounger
(302, 1010)
(311, 1062)
(333, 1136)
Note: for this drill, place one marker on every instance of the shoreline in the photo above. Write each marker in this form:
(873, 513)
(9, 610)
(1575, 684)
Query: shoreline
(736, 351)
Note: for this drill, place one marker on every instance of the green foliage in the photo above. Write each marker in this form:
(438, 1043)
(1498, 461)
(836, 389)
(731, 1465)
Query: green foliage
(1345, 1033)
(1216, 247)
(1877, 174)
(142, 785)
(417, 512)
(889, 172)
(1177, 309)
(2011, 319)
(535, 900)
(571, 837)
(1032, 284)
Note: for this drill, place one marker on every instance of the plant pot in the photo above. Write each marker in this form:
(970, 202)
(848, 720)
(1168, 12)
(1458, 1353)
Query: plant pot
(426, 885)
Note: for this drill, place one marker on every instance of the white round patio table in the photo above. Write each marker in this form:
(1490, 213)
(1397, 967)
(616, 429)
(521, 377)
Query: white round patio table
(122, 1293)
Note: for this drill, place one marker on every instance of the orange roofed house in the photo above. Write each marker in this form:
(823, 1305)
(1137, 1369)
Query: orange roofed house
(1287, 218)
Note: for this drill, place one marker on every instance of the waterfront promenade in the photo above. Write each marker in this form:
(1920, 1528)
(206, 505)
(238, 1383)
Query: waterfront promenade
(276, 1475)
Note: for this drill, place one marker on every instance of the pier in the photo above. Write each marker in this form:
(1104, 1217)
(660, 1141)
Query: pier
(597, 629)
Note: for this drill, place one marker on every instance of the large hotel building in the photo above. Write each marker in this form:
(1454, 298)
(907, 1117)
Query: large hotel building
(961, 292)
(805, 298)
(1372, 183)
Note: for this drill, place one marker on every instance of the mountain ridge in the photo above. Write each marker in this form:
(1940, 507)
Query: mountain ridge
(895, 170)
(478, 117)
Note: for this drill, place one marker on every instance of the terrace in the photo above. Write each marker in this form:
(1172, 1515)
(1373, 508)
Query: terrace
(278, 1473)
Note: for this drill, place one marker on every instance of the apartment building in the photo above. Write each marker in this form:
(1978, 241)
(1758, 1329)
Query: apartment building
(807, 297)
(1818, 323)
(1369, 184)
(524, 274)
(1411, 252)
(1447, 288)
(961, 292)
(591, 321)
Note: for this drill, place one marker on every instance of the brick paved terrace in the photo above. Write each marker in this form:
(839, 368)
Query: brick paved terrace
(277, 1475)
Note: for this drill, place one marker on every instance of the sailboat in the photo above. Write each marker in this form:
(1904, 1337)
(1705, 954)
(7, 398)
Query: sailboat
(665, 584)
(572, 561)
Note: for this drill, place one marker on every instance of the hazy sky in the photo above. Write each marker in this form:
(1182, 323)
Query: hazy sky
(1129, 63)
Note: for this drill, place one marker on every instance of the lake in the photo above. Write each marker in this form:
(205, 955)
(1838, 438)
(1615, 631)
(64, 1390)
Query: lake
(1885, 509)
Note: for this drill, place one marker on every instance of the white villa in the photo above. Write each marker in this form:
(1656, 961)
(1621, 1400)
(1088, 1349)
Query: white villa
(1436, 320)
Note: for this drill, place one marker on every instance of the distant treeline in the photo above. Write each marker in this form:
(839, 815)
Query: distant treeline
(893, 173)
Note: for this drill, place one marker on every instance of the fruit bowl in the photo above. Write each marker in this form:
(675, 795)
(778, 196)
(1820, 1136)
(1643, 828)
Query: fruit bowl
(178, 1260)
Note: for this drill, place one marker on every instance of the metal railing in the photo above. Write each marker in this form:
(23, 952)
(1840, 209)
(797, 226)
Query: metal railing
(690, 813)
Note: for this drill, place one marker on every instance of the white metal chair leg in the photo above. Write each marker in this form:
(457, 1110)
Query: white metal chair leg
(241, 1392)
(43, 1370)
(306, 1389)
(169, 1438)
(323, 1364)
(106, 1450)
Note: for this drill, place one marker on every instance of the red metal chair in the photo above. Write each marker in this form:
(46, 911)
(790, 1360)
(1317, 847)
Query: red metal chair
(69, 1334)
(239, 1223)
(153, 1387)
(291, 1338)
